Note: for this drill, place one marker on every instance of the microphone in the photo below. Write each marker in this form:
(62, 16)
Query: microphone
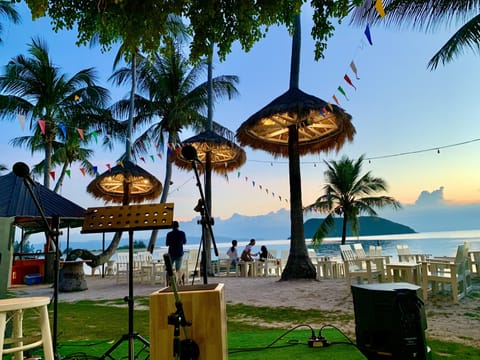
(22, 170)
(168, 264)
(190, 153)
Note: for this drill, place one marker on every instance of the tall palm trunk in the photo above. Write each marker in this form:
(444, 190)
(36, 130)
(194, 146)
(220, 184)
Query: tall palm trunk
(59, 183)
(299, 265)
(163, 198)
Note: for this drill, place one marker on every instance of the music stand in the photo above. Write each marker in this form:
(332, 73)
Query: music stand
(131, 218)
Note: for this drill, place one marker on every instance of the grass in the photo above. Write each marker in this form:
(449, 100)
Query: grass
(87, 329)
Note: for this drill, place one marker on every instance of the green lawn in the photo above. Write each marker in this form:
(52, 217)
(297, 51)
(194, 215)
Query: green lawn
(87, 329)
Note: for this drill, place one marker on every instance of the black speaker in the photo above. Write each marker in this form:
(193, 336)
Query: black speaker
(390, 321)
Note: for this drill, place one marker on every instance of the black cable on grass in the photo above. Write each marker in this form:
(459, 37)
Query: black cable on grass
(270, 346)
(349, 342)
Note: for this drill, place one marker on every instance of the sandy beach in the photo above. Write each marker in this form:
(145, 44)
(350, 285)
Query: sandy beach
(447, 321)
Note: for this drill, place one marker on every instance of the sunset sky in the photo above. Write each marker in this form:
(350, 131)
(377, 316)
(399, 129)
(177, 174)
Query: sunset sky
(400, 108)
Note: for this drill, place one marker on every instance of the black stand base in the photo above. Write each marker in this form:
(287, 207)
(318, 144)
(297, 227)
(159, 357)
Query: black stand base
(130, 338)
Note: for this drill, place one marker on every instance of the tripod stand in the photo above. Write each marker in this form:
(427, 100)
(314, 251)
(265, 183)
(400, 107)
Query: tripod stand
(129, 217)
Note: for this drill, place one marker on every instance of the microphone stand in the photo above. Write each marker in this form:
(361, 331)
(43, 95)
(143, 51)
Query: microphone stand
(53, 233)
(206, 221)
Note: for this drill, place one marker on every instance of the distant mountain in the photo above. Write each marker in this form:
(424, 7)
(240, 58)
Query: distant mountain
(368, 226)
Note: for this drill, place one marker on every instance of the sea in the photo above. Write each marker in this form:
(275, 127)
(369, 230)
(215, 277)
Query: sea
(442, 243)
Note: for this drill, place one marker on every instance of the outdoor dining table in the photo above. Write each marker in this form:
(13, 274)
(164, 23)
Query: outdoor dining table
(404, 271)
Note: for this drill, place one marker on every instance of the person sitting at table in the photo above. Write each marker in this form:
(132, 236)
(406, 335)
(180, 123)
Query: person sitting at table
(233, 253)
(263, 254)
(247, 252)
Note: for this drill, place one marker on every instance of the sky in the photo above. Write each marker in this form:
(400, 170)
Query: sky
(400, 109)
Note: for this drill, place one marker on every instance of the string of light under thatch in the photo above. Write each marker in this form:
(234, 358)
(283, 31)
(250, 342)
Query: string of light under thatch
(321, 126)
(125, 183)
(225, 155)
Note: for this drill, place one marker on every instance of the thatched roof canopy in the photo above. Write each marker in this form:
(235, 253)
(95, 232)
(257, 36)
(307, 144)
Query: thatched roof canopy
(225, 155)
(321, 126)
(125, 183)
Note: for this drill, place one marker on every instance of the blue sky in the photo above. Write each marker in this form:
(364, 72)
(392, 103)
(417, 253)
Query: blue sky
(399, 107)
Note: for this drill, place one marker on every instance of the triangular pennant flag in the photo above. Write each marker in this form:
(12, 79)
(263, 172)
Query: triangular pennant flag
(336, 100)
(169, 151)
(253, 183)
(341, 91)
(142, 158)
(94, 134)
(83, 171)
(368, 35)
(21, 120)
(76, 97)
(64, 130)
(238, 174)
(246, 178)
(95, 170)
(354, 69)
(349, 81)
(279, 197)
(260, 186)
(120, 162)
(81, 133)
(52, 174)
(379, 8)
(41, 123)
(266, 190)
(109, 167)
(330, 106)
(152, 157)
(68, 172)
(159, 155)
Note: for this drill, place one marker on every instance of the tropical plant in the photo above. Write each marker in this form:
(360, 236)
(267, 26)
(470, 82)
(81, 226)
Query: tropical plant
(429, 15)
(222, 22)
(170, 98)
(36, 88)
(348, 193)
(7, 9)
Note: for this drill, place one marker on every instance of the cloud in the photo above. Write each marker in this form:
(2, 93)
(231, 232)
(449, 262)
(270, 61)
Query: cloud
(428, 199)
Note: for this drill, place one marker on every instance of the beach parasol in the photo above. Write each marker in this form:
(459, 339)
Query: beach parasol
(295, 124)
(225, 155)
(125, 183)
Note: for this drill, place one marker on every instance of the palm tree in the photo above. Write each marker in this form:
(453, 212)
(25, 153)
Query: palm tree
(7, 9)
(348, 194)
(428, 15)
(170, 93)
(36, 88)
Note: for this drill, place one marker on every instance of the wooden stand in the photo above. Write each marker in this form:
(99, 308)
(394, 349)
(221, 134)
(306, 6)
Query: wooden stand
(204, 306)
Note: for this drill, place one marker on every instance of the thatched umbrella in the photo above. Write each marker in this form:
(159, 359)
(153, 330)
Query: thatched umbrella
(291, 125)
(125, 183)
(225, 155)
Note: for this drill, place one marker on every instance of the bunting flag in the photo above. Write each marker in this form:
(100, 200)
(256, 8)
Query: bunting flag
(95, 170)
(368, 35)
(52, 175)
(238, 174)
(169, 151)
(152, 157)
(76, 97)
(21, 120)
(341, 91)
(349, 81)
(94, 134)
(68, 172)
(83, 171)
(81, 133)
(336, 100)
(41, 123)
(246, 178)
(64, 130)
(330, 106)
(253, 183)
(159, 155)
(354, 69)
(109, 167)
(379, 8)
(120, 162)
(142, 158)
